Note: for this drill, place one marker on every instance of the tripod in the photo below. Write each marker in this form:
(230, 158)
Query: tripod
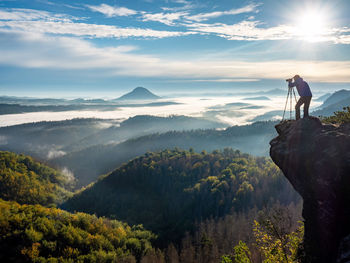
(290, 99)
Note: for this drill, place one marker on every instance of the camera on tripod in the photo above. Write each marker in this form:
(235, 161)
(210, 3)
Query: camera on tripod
(289, 100)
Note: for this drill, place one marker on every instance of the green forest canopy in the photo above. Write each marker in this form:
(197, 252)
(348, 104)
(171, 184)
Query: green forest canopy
(33, 233)
(29, 182)
(168, 191)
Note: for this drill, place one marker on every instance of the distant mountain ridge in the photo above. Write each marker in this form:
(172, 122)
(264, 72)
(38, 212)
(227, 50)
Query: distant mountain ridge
(139, 93)
(335, 102)
(323, 97)
(329, 110)
(88, 163)
(337, 96)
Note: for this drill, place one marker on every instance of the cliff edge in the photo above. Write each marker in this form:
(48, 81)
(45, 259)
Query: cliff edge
(315, 158)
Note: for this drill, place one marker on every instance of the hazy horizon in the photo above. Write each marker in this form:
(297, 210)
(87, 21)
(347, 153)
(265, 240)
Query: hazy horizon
(108, 95)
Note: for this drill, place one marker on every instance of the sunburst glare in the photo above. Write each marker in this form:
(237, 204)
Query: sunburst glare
(312, 26)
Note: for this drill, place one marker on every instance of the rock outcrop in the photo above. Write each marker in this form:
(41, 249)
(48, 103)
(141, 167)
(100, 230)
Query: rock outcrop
(315, 158)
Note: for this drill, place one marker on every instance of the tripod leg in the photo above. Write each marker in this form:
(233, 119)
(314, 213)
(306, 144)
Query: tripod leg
(291, 103)
(295, 97)
(295, 103)
(285, 106)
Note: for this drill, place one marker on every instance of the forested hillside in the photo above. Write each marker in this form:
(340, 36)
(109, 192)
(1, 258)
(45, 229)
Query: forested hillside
(170, 190)
(33, 233)
(142, 125)
(29, 182)
(91, 162)
(46, 140)
(199, 206)
(51, 139)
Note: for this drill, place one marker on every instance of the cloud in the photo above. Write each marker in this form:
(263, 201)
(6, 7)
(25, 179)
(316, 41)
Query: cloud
(249, 30)
(181, 2)
(52, 52)
(343, 36)
(169, 18)
(245, 30)
(36, 21)
(184, 5)
(60, 4)
(86, 30)
(41, 51)
(165, 18)
(112, 11)
(52, 154)
(205, 16)
(20, 14)
(68, 174)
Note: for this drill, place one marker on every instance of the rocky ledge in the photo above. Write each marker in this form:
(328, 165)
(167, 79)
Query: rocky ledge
(315, 158)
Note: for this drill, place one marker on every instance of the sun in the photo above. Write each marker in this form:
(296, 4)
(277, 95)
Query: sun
(311, 26)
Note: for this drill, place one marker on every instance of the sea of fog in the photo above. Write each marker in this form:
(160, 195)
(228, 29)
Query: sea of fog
(230, 110)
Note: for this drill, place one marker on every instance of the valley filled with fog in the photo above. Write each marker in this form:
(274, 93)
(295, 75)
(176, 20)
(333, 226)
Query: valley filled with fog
(230, 110)
(86, 138)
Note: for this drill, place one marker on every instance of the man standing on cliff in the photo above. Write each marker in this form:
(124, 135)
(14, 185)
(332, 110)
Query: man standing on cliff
(304, 93)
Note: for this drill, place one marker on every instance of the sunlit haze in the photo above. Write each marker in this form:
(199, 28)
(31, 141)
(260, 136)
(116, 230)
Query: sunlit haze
(312, 26)
(217, 108)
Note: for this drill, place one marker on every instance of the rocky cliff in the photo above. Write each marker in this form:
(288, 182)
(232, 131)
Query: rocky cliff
(315, 158)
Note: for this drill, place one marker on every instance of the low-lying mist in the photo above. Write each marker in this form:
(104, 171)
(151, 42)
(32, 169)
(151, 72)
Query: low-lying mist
(236, 110)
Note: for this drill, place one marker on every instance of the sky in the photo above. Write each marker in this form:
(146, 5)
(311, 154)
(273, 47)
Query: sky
(106, 48)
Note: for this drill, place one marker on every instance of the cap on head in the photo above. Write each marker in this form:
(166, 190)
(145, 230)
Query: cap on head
(296, 77)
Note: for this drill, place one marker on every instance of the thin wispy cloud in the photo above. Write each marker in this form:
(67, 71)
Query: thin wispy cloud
(245, 30)
(249, 30)
(67, 53)
(181, 5)
(165, 18)
(181, 2)
(87, 30)
(28, 20)
(205, 16)
(112, 11)
(75, 6)
(20, 14)
(342, 35)
(169, 18)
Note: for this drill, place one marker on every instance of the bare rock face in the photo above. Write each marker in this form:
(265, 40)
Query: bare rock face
(315, 158)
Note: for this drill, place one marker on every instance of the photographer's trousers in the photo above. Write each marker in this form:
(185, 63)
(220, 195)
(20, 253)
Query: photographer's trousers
(303, 100)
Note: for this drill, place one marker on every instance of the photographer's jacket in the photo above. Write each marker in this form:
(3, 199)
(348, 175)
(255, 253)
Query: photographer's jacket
(302, 87)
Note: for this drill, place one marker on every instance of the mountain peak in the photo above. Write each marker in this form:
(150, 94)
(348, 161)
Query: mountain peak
(139, 93)
(140, 89)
